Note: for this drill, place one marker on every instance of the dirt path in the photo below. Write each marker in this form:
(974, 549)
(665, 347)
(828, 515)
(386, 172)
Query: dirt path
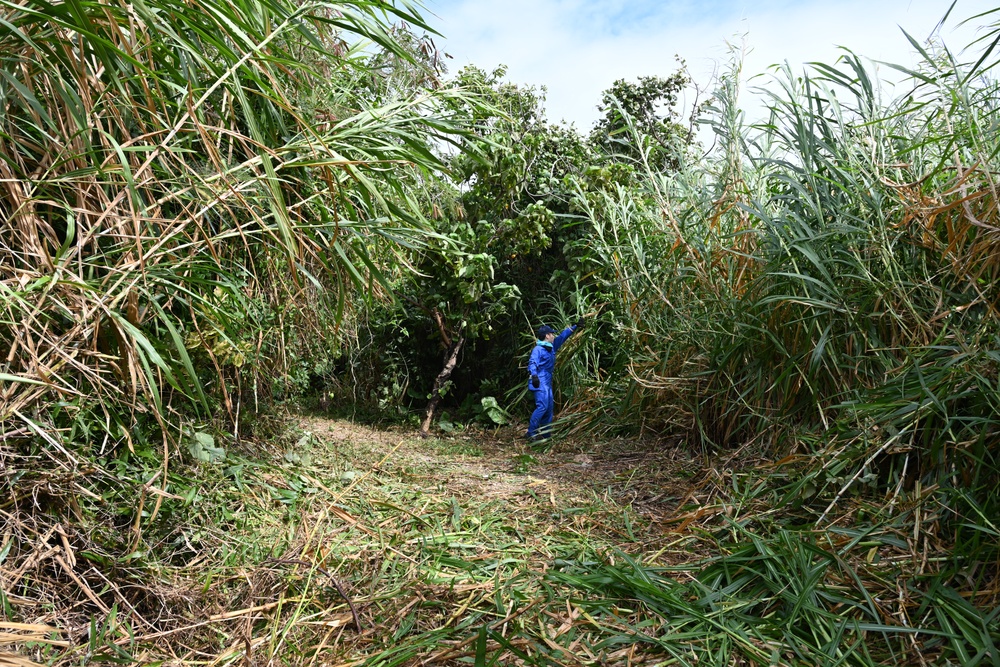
(434, 538)
(651, 478)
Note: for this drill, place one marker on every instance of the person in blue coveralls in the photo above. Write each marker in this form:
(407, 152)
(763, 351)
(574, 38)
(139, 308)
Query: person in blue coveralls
(540, 365)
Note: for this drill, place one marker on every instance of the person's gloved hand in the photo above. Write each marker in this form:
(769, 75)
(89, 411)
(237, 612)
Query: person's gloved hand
(579, 323)
(535, 382)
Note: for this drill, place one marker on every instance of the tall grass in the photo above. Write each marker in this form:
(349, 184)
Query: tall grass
(833, 267)
(191, 195)
(823, 292)
(181, 184)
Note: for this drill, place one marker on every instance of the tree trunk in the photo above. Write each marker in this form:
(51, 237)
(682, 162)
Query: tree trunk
(451, 360)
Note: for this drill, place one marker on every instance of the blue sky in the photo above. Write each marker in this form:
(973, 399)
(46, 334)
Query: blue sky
(577, 48)
(642, 17)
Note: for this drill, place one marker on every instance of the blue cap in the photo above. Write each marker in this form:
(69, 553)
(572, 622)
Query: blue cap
(543, 330)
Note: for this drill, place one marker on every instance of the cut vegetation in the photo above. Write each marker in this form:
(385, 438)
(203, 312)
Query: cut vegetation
(380, 548)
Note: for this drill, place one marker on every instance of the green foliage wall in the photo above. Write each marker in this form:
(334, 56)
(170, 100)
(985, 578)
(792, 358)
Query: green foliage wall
(822, 289)
(193, 196)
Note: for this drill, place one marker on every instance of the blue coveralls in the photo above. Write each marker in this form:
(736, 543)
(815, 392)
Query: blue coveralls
(541, 363)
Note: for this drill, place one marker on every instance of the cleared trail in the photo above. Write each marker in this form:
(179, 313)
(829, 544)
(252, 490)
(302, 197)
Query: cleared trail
(473, 549)
(341, 544)
(451, 549)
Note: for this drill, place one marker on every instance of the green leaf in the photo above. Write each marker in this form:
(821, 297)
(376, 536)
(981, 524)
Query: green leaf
(202, 448)
(493, 410)
(5, 377)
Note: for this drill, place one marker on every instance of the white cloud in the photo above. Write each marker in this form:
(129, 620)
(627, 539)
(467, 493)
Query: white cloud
(578, 48)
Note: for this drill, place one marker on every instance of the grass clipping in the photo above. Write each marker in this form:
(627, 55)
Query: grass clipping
(366, 548)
